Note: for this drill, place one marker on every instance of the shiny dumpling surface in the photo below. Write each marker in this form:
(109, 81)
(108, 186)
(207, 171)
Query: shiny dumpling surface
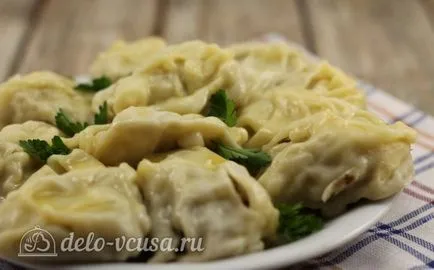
(38, 96)
(331, 161)
(267, 65)
(122, 58)
(281, 111)
(138, 131)
(15, 164)
(196, 193)
(264, 66)
(179, 78)
(75, 193)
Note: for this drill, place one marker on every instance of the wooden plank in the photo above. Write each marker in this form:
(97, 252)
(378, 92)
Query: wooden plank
(235, 21)
(385, 43)
(228, 21)
(182, 20)
(71, 33)
(428, 6)
(14, 22)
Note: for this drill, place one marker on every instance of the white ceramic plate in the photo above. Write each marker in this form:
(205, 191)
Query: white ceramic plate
(336, 233)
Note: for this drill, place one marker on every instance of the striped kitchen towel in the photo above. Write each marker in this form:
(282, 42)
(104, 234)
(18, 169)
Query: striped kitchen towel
(404, 238)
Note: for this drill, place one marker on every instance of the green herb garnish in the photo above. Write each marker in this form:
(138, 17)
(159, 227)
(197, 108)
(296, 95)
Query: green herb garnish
(101, 117)
(68, 126)
(222, 107)
(96, 85)
(41, 150)
(295, 222)
(252, 159)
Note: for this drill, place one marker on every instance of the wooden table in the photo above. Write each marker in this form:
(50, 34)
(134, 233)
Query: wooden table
(388, 43)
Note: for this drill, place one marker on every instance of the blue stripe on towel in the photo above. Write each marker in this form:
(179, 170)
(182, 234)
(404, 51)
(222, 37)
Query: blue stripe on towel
(373, 237)
(424, 168)
(417, 120)
(426, 156)
(384, 228)
(407, 248)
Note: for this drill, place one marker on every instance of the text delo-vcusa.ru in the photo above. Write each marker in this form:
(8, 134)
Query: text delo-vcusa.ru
(39, 242)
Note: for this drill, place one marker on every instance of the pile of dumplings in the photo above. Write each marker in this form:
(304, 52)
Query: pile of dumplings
(150, 173)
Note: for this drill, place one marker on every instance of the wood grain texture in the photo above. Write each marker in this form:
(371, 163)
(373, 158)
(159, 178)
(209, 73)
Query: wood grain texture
(181, 20)
(227, 21)
(381, 41)
(71, 33)
(14, 22)
(428, 6)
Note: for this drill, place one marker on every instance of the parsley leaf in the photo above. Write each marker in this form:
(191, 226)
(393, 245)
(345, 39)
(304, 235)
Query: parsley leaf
(96, 85)
(295, 222)
(58, 147)
(41, 150)
(36, 148)
(222, 107)
(252, 159)
(101, 117)
(67, 126)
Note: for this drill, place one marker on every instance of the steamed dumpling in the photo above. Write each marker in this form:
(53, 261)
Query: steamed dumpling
(122, 58)
(38, 96)
(330, 81)
(327, 152)
(264, 66)
(331, 161)
(272, 116)
(196, 193)
(139, 131)
(15, 164)
(75, 194)
(179, 78)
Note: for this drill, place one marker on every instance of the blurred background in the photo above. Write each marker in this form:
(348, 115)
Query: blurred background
(388, 43)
